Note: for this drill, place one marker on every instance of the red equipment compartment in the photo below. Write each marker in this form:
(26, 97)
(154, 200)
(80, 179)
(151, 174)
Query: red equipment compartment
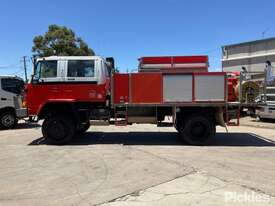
(184, 64)
(232, 83)
(173, 59)
(121, 88)
(146, 88)
(232, 94)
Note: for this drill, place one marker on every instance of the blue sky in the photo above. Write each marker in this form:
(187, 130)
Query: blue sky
(128, 29)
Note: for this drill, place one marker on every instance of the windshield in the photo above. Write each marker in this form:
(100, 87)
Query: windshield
(45, 69)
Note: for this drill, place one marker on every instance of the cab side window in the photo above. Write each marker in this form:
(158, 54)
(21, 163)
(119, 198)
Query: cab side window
(12, 85)
(46, 69)
(81, 68)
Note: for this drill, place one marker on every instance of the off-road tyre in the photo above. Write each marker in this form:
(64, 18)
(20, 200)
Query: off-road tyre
(58, 130)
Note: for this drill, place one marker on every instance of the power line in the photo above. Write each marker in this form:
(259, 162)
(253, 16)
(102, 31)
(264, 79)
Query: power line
(19, 72)
(9, 66)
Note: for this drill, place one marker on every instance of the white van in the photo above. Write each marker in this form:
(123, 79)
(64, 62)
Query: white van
(268, 111)
(11, 97)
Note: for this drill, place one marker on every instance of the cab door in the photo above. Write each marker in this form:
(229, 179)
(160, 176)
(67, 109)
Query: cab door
(45, 84)
(81, 79)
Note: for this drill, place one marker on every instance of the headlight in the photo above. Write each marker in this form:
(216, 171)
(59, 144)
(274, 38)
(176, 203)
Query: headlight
(24, 104)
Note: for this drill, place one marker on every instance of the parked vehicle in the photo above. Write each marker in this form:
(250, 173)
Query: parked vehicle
(68, 92)
(267, 111)
(11, 96)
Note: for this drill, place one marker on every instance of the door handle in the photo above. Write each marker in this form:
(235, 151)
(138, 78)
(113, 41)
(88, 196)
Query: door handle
(3, 99)
(54, 89)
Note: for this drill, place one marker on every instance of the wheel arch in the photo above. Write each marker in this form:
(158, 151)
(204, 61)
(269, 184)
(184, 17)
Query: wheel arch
(209, 112)
(76, 111)
(53, 108)
(7, 109)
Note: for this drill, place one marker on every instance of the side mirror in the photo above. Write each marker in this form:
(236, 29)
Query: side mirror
(34, 80)
(111, 61)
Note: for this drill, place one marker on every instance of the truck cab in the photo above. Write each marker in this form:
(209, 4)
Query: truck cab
(11, 97)
(67, 90)
(68, 79)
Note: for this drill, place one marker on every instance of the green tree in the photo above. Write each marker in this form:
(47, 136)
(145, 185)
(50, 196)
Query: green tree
(60, 41)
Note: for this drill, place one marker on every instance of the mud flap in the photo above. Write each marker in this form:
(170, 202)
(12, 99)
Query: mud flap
(219, 119)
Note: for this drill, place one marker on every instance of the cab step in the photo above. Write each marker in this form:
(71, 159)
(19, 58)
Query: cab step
(99, 122)
(121, 116)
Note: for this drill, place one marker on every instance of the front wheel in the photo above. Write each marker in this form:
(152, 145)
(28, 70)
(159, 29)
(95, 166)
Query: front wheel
(198, 130)
(8, 120)
(58, 130)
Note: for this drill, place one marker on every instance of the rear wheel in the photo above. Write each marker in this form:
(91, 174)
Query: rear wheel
(58, 129)
(8, 120)
(198, 130)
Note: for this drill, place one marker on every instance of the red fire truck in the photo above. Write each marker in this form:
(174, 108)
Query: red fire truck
(69, 92)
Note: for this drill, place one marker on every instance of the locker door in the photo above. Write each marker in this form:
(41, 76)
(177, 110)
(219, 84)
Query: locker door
(121, 88)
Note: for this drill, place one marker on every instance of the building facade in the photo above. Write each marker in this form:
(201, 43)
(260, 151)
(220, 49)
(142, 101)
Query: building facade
(251, 55)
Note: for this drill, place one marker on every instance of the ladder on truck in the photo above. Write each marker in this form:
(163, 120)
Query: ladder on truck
(121, 115)
(232, 113)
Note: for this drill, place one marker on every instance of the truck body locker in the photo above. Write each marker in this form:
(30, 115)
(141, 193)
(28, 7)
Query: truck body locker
(183, 64)
(146, 88)
(120, 88)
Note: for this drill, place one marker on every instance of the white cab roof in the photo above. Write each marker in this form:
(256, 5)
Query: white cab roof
(70, 58)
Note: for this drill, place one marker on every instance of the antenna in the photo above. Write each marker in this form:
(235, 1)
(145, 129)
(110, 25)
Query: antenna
(264, 32)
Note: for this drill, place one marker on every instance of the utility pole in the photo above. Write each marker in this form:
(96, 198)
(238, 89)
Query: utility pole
(25, 68)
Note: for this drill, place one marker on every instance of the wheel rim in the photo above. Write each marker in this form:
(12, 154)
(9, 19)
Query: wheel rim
(57, 130)
(199, 131)
(8, 120)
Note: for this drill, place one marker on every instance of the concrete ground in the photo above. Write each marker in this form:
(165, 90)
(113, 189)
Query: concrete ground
(137, 165)
(255, 122)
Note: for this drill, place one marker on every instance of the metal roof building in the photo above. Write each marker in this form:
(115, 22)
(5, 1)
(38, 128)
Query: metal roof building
(251, 55)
